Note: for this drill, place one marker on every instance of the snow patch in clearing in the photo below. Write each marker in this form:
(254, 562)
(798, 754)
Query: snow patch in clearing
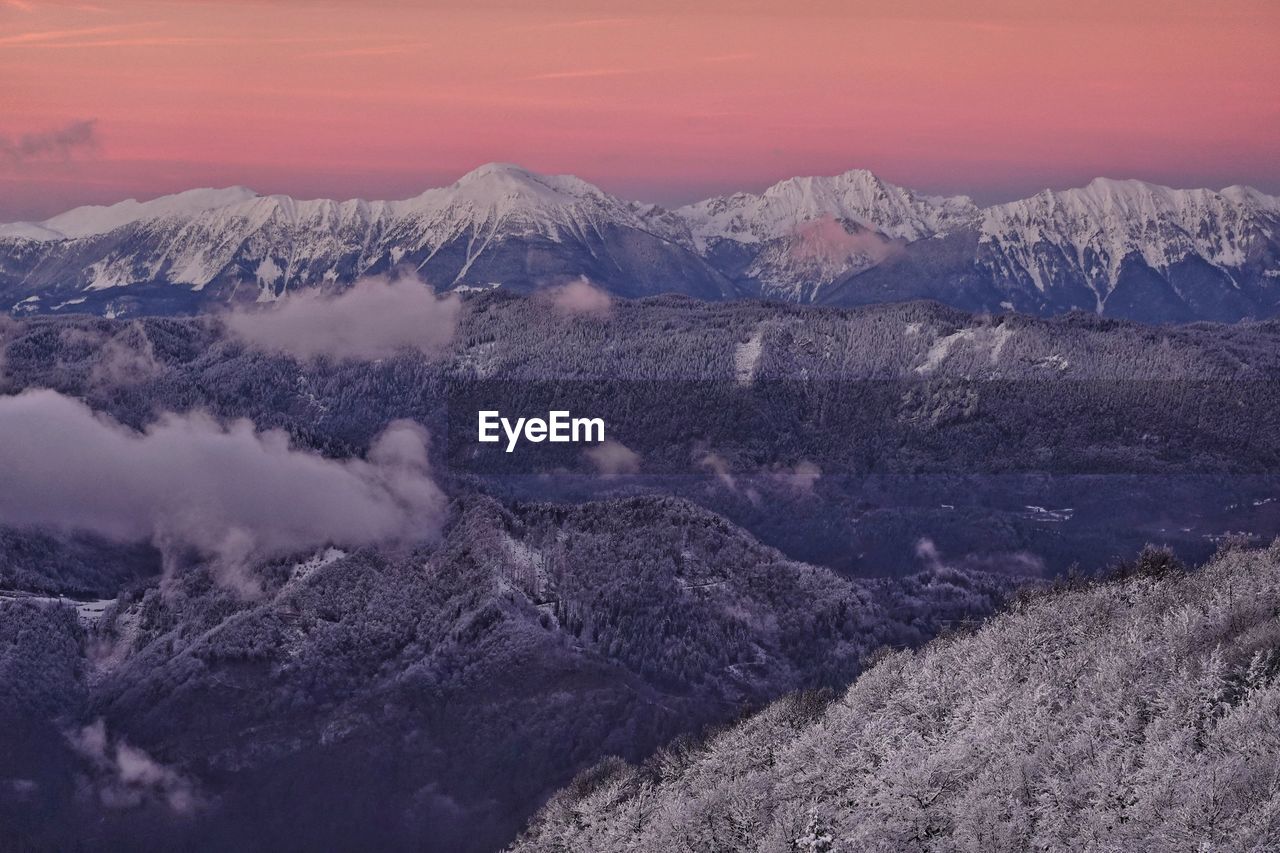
(527, 564)
(106, 654)
(991, 339)
(746, 357)
(90, 612)
(941, 349)
(306, 568)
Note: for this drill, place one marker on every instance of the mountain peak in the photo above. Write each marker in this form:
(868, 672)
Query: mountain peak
(861, 178)
(1115, 185)
(857, 196)
(797, 239)
(516, 178)
(1250, 196)
(500, 171)
(507, 185)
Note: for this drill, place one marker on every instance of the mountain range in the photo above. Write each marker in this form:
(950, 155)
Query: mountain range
(1121, 248)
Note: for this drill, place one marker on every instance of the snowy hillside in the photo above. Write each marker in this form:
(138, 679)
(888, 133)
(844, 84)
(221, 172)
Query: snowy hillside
(1132, 715)
(451, 689)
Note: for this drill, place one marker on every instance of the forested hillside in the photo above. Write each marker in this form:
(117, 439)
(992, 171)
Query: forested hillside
(1137, 714)
(841, 436)
(306, 621)
(370, 696)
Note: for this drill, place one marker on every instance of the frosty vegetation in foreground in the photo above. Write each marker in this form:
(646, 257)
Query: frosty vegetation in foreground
(1134, 715)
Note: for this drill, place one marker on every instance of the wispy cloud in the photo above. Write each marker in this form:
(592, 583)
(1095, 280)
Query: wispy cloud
(370, 50)
(125, 777)
(135, 34)
(167, 41)
(613, 458)
(622, 70)
(581, 297)
(52, 36)
(579, 24)
(589, 72)
(58, 144)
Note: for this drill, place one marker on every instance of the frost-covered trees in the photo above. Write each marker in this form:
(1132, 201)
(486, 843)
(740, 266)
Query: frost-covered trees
(916, 420)
(433, 698)
(40, 658)
(561, 619)
(1138, 714)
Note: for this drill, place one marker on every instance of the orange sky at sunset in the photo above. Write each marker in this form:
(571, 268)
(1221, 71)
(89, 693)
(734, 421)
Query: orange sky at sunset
(664, 101)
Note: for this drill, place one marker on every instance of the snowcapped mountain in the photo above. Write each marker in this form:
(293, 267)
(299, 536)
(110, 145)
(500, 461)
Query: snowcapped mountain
(803, 233)
(1118, 248)
(498, 225)
(1124, 248)
(1137, 244)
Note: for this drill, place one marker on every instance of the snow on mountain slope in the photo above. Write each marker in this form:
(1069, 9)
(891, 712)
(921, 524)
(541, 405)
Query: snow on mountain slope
(93, 220)
(1097, 227)
(494, 192)
(857, 196)
(1063, 250)
(1122, 248)
(804, 233)
(499, 191)
(499, 223)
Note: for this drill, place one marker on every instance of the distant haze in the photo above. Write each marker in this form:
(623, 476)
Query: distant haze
(659, 100)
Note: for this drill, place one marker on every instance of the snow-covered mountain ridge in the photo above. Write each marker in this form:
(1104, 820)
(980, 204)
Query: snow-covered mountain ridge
(493, 192)
(1127, 248)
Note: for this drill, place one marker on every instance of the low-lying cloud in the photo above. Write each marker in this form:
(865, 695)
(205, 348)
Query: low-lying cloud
(801, 478)
(193, 486)
(1019, 564)
(120, 356)
(376, 318)
(613, 459)
(580, 297)
(825, 240)
(718, 465)
(58, 144)
(122, 776)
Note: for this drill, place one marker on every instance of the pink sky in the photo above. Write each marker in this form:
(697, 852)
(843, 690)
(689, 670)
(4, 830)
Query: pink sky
(666, 101)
